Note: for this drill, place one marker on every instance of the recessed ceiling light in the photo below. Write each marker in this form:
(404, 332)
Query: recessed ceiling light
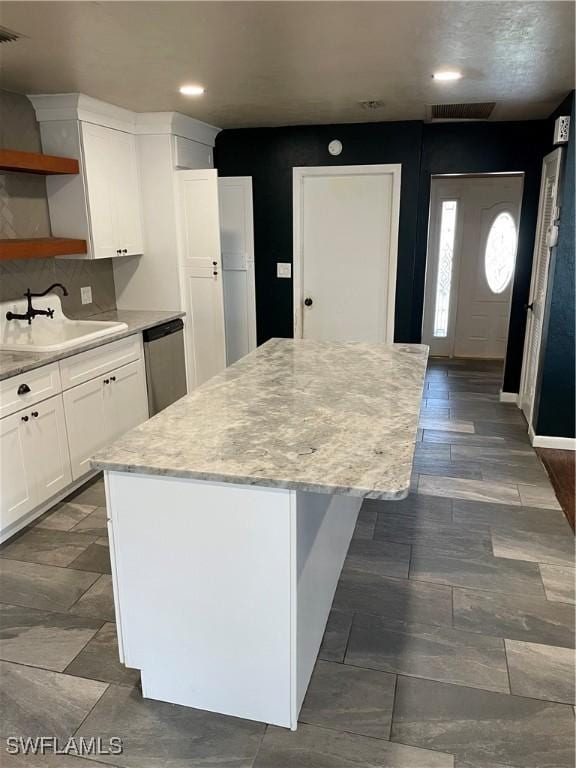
(447, 75)
(192, 90)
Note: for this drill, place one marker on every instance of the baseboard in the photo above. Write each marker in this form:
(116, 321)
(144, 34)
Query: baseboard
(508, 397)
(28, 518)
(546, 441)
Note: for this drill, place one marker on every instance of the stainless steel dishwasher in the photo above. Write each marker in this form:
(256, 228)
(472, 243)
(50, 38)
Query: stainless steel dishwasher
(165, 364)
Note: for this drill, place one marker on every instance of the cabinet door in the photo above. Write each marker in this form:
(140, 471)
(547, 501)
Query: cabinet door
(47, 448)
(85, 410)
(127, 403)
(201, 275)
(204, 329)
(17, 496)
(127, 194)
(99, 167)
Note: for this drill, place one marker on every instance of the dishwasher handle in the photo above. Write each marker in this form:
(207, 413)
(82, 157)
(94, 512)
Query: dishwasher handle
(159, 331)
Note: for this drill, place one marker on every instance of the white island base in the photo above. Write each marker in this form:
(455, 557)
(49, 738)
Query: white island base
(222, 591)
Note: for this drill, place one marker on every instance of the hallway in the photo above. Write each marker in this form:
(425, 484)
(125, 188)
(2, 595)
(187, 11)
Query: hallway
(449, 644)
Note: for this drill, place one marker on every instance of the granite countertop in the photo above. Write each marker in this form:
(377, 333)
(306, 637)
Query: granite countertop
(314, 416)
(13, 363)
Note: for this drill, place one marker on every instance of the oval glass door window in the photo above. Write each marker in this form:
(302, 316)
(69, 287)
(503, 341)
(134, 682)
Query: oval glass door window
(500, 253)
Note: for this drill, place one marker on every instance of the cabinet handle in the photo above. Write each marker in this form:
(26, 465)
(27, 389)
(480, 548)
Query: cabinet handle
(112, 378)
(23, 389)
(24, 418)
(124, 250)
(35, 414)
(106, 381)
(118, 250)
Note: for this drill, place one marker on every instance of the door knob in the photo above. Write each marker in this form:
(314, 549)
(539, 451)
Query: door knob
(308, 302)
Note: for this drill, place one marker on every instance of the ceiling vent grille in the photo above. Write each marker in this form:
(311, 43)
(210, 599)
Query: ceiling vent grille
(372, 104)
(480, 111)
(7, 36)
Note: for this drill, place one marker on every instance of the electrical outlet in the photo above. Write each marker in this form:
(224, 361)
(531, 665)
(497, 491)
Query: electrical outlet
(86, 294)
(283, 269)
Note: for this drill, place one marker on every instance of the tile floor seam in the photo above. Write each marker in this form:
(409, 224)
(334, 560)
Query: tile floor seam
(59, 612)
(87, 590)
(484, 690)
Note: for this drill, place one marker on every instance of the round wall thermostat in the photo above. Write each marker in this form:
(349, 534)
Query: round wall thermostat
(335, 147)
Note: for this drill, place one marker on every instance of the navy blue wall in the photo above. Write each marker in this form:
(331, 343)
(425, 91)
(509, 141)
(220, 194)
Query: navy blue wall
(269, 154)
(556, 399)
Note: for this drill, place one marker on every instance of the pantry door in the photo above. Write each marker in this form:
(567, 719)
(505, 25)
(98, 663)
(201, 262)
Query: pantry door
(201, 274)
(345, 251)
(470, 266)
(546, 233)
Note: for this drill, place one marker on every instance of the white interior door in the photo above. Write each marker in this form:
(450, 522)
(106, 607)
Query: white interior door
(547, 215)
(237, 242)
(470, 266)
(201, 275)
(345, 250)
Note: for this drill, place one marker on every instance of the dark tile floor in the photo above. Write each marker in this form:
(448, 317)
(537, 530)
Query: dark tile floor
(450, 643)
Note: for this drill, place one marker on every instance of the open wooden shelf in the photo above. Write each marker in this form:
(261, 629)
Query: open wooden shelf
(40, 248)
(33, 162)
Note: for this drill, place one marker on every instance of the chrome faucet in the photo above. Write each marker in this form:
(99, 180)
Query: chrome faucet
(31, 313)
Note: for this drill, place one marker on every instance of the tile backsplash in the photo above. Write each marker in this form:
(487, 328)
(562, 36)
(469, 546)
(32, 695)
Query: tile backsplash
(24, 213)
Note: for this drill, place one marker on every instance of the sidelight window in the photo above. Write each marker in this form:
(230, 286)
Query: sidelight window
(445, 265)
(500, 252)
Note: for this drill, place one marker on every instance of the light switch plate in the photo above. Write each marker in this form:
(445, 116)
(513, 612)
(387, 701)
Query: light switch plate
(283, 269)
(86, 294)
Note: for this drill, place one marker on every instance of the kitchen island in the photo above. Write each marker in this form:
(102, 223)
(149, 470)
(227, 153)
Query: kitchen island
(231, 512)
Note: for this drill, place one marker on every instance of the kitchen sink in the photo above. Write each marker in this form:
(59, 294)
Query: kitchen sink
(46, 334)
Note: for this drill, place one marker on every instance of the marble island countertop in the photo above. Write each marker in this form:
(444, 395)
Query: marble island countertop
(14, 363)
(315, 416)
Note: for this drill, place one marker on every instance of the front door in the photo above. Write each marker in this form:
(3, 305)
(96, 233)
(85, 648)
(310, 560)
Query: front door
(470, 266)
(345, 243)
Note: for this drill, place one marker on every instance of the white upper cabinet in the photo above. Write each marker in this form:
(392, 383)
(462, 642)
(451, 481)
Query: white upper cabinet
(102, 204)
(113, 191)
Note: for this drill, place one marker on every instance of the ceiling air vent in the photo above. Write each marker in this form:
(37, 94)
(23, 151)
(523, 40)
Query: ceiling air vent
(7, 36)
(372, 104)
(480, 111)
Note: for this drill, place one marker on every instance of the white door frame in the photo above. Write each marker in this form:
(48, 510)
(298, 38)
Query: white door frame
(298, 176)
(555, 158)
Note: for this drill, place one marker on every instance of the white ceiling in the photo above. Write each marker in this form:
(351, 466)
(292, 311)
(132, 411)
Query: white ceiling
(282, 63)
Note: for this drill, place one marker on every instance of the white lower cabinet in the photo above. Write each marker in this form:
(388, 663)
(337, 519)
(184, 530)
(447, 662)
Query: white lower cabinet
(49, 448)
(84, 407)
(15, 470)
(102, 409)
(46, 444)
(34, 458)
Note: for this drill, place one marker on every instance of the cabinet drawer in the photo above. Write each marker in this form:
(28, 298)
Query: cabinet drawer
(87, 365)
(35, 386)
